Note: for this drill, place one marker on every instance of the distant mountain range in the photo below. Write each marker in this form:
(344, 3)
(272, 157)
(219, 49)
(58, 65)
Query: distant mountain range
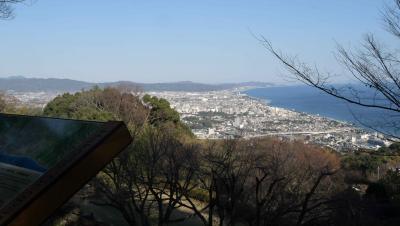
(23, 84)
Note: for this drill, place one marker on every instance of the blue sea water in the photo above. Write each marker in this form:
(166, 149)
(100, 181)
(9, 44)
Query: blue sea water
(310, 100)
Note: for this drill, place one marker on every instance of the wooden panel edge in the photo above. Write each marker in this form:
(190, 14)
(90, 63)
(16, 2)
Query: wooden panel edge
(71, 181)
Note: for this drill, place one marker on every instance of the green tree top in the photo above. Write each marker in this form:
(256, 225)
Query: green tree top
(162, 115)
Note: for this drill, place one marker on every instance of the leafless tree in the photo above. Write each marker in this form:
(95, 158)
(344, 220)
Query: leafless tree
(2, 102)
(9, 104)
(6, 9)
(150, 179)
(224, 172)
(265, 182)
(232, 170)
(121, 103)
(373, 65)
(291, 184)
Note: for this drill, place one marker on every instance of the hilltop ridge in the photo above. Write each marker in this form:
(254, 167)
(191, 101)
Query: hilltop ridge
(23, 84)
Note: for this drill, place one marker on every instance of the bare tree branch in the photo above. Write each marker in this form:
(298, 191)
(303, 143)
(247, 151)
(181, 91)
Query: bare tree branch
(6, 9)
(375, 67)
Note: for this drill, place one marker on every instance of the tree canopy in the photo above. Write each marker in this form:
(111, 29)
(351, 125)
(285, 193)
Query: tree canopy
(161, 113)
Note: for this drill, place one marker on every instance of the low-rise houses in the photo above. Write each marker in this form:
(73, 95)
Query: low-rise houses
(229, 113)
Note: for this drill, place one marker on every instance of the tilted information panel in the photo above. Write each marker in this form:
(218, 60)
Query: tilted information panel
(44, 161)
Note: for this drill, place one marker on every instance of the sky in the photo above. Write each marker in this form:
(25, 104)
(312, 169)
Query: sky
(209, 41)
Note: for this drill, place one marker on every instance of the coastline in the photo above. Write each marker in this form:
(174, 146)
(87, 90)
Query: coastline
(234, 113)
(269, 103)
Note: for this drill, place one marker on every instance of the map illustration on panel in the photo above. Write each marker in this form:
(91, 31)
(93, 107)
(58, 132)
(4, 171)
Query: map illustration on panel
(29, 146)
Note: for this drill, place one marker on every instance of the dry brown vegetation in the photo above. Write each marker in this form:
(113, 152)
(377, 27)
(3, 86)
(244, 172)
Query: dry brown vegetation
(168, 177)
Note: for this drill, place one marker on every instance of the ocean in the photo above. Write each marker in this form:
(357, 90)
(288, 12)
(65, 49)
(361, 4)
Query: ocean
(313, 101)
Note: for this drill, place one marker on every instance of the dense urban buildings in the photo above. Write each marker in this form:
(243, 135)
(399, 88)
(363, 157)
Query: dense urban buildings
(230, 113)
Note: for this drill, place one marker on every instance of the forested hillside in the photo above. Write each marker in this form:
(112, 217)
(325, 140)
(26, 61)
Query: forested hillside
(168, 177)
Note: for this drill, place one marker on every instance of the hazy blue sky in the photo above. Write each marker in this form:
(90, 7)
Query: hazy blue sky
(167, 40)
